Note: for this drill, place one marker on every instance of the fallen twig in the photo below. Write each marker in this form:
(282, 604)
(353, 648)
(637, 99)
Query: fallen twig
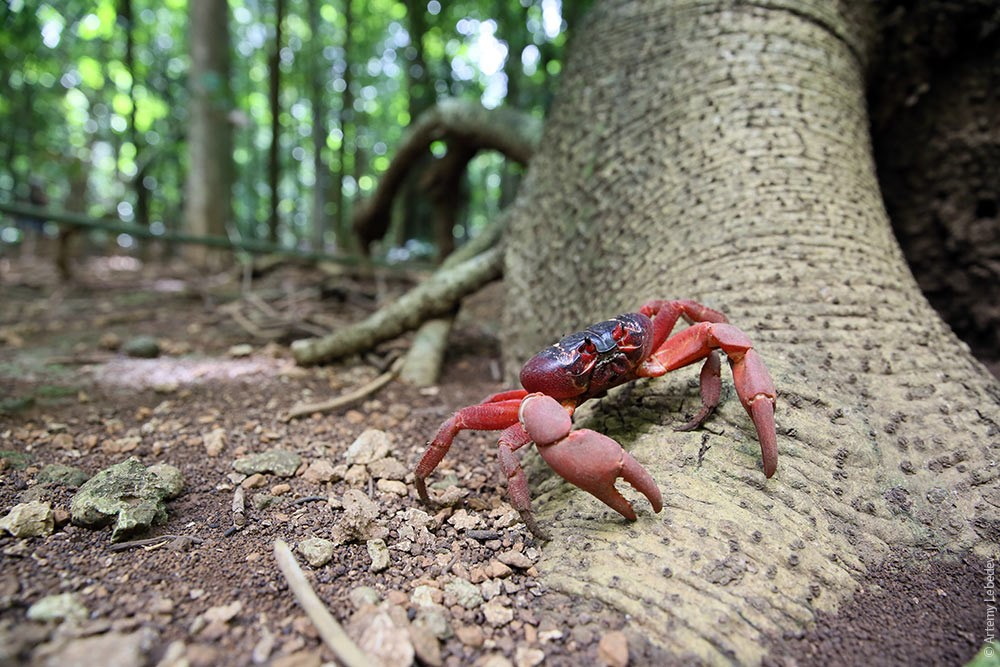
(329, 629)
(239, 507)
(159, 540)
(364, 391)
(310, 499)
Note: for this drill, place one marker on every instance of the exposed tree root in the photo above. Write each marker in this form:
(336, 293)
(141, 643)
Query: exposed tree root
(467, 127)
(422, 363)
(435, 297)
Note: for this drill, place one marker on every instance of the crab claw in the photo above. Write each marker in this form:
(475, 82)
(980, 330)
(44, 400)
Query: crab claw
(585, 458)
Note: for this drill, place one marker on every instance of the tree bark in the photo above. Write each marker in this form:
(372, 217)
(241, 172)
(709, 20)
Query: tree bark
(720, 151)
(208, 207)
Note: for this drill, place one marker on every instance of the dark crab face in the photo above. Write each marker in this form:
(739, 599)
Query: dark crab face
(589, 362)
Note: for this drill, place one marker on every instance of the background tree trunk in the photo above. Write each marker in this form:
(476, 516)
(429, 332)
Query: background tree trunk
(210, 146)
(721, 152)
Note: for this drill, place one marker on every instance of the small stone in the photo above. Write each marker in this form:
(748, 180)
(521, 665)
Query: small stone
(470, 635)
(424, 596)
(168, 478)
(112, 649)
(371, 445)
(498, 570)
(462, 520)
(33, 519)
(525, 656)
(379, 554)
(254, 481)
(612, 649)
(214, 441)
(515, 559)
(425, 645)
(62, 475)
(64, 606)
(466, 593)
(383, 633)
(280, 489)
(357, 475)
(316, 550)
(359, 519)
(261, 501)
(110, 341)
(391, 486)
(223, 613)
(434, 617)
(141, 347)
(387, 468)
(497, 613)
(319, 472)
(121, 445)
(241, 350)
(362, 595)
(278, 461)
(494, 660)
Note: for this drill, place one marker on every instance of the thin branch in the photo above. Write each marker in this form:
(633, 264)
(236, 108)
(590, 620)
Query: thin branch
(329, 629)
(302, 409)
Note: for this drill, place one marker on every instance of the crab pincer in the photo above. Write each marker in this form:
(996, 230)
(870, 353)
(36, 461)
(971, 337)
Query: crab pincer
(585, 458)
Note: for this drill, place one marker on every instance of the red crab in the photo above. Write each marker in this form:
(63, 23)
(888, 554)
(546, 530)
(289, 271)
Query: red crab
(585, 365)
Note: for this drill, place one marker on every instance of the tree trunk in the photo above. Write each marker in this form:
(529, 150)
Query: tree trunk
(720, 152)
(274, 103)
(208, 206)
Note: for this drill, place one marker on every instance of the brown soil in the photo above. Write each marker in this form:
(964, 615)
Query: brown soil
(66, 399)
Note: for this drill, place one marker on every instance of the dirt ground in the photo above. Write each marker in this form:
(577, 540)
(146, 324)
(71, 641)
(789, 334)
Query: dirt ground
(461, 583)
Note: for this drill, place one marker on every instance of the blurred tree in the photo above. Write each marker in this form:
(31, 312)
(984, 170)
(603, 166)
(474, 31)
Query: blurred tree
(210, 153)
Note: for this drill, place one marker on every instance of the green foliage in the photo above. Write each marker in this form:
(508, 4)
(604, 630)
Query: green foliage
(78, 115)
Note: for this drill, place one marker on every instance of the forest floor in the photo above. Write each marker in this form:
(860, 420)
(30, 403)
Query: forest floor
(456, 585)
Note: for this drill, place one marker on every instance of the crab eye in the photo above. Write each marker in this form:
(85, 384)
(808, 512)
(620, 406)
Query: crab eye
(587, 347)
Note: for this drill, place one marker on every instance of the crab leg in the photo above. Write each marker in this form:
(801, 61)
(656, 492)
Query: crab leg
(512, 439)
(753, 383)
(585, 458)
(488, 416)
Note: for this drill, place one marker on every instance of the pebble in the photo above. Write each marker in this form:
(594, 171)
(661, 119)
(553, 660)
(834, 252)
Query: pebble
(112, 649)
(62, 475)
(425, 596)
(379, 554)
(383, 633)
(434, 617)
(32, 519)
(356, 475)
(392, 486)
(316, 550)
(359, 519)
(319, 472)
(363, 595)
(278, 461)
(463, 521)
(470, 635)
(240, 350)
(515, 559)
(466, 593)
(497, 613)
(254, 481)
(214, 441)
(370, 446)
(280, 489)
(387, 468)
(141, 347)
(612, 649)
(57, 608)
(525, 656)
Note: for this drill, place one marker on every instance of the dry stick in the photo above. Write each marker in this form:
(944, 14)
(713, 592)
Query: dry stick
(347, 399)
(329, 629)
(158, 540)
(239, 507)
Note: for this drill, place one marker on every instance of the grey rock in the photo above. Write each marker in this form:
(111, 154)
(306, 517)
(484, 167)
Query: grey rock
(62, 475)
(57, 608)
(142, 347)
(32, 519)
(127, 494)
(317, 551)
(278, 461)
